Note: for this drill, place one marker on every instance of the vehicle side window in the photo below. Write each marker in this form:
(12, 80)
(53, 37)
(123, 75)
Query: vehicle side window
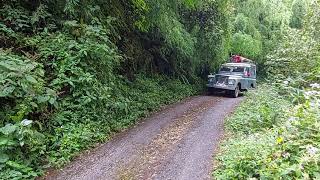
(238, 69)
(248, 72)
(226, 69)
(253, 72)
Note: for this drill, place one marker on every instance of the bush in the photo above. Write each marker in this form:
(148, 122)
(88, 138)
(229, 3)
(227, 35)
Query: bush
(68, 92)
(246, 45)
(263, 109)
(72, 128)
(78, 71)
(21, 147)
(289, 150)
(242, 157)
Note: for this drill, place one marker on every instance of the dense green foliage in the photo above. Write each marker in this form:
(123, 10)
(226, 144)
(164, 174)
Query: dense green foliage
(258, 26)
(263, 109)
(275, 132)
(285, 148)
(74, 72)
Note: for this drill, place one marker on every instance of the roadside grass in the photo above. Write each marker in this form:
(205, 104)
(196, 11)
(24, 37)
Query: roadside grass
(270, 139)
(263, 109)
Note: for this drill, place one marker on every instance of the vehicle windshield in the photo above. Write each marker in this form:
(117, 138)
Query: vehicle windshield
(234, 69)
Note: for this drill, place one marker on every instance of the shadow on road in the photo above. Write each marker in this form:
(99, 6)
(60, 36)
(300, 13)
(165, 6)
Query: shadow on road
(221, 94)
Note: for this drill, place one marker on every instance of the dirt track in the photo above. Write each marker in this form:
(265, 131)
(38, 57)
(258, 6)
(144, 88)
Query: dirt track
(175, 143)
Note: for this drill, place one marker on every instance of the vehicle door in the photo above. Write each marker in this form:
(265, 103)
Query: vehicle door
(246, 82)
(251, 77)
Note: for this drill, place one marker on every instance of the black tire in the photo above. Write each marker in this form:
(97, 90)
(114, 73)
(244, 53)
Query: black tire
(211, 91)
(235, 93)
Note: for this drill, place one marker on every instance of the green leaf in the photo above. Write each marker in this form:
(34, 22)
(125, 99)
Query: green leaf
(6, 91)
(31, 79)
(4, 141)
(8, 129)
(15, 165)
(11, 67)
(52, 100)
(50, 92)
(34, 104)
(18, 117)
(42, 99)
(3, 157)
(15, 174)
(316, 175)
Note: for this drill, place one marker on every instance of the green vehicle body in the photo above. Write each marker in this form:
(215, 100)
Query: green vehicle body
(233, 78)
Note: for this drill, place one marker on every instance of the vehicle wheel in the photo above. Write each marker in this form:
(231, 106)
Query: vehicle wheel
(211, 91)
(235, 93)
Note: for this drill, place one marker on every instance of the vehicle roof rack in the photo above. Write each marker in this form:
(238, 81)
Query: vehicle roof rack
(240, 59)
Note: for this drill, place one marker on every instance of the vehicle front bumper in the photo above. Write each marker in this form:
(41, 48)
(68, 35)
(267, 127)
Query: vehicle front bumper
(221, 87)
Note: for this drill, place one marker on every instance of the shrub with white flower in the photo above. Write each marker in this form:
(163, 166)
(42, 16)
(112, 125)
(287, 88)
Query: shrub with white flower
(313, 94)
(311, 150)
(315, 86)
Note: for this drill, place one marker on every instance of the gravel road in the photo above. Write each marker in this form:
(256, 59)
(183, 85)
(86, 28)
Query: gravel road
(176, 143)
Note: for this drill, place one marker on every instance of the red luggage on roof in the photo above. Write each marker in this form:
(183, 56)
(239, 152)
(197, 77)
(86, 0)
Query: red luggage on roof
(239, 59)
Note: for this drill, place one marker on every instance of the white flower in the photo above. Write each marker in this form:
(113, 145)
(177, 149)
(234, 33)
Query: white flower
(26, 122)
(286, 155)
(286, 82)
(310, 94)
(315, 104)
(312, 151)
(292, 119)
(315, 85)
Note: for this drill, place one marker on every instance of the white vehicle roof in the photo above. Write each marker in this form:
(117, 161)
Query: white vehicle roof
(239, 64)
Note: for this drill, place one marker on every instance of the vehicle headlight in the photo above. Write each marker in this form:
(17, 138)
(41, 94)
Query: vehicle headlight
(211, 80)
(231, 82)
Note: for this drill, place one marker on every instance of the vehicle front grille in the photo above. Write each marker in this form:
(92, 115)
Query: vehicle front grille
(222, 79)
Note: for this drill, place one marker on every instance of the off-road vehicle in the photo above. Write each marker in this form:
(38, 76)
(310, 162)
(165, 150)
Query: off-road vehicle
(233, 78)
